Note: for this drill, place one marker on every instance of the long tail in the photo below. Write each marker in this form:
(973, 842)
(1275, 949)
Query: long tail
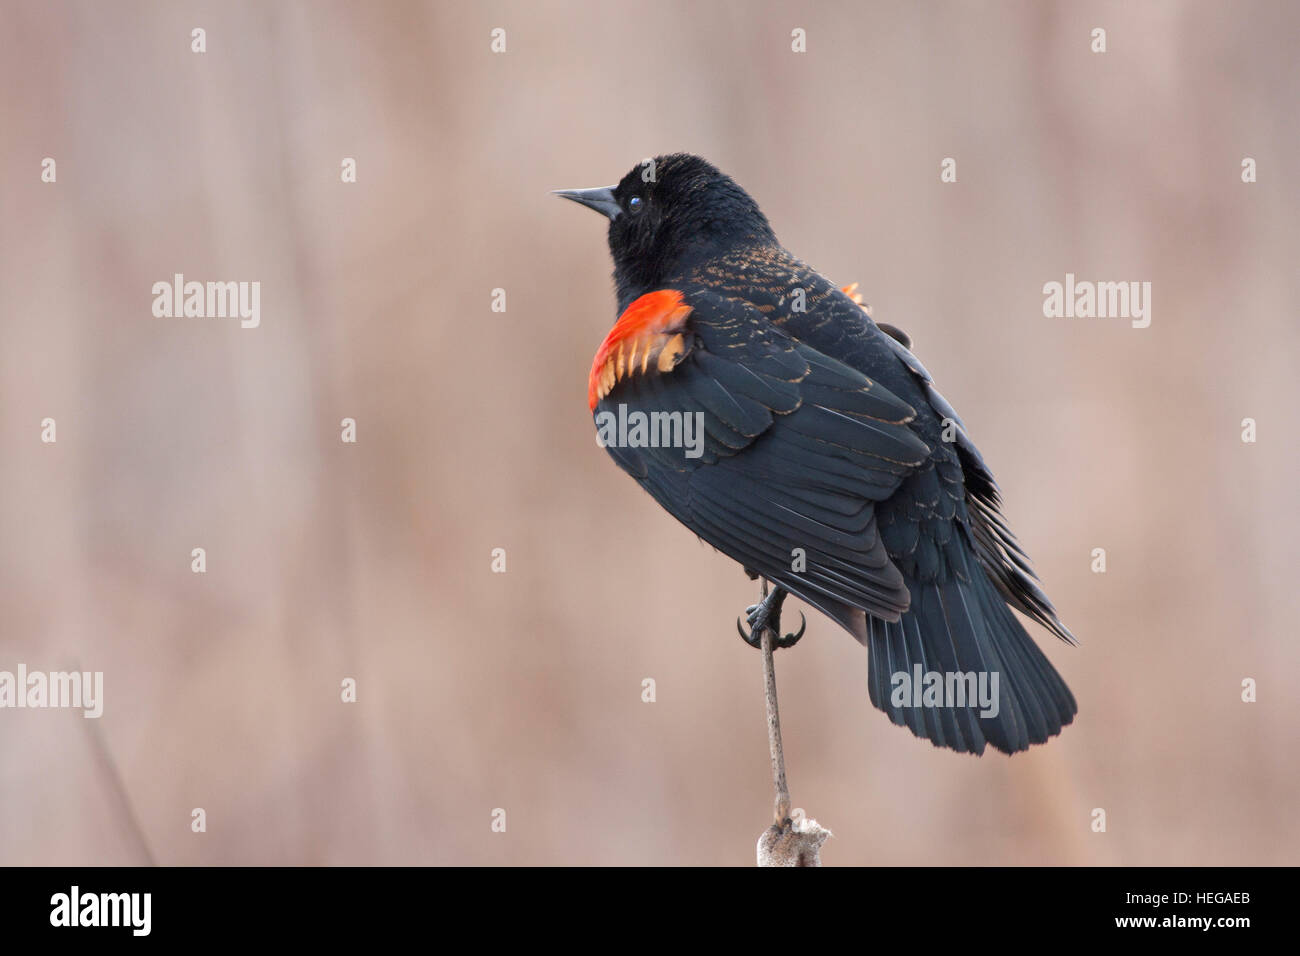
(956, 629)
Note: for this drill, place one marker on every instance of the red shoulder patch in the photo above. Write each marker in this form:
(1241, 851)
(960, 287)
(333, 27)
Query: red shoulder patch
(851, 290)
(647, 336)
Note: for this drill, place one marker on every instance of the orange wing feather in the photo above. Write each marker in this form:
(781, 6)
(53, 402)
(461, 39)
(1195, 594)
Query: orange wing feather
(646, 335)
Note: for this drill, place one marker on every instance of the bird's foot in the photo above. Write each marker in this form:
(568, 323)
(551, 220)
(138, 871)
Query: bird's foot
(767, 616)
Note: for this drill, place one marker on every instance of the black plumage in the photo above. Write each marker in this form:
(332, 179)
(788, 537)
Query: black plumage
(824, 433)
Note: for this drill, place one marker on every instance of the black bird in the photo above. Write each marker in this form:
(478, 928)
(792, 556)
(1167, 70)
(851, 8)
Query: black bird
(830, 465)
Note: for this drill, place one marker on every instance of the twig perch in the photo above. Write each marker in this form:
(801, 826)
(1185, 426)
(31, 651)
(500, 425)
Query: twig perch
(784, 843)
(779, 783)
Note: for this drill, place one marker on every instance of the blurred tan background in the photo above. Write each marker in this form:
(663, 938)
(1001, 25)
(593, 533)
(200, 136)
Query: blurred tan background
(522, 690)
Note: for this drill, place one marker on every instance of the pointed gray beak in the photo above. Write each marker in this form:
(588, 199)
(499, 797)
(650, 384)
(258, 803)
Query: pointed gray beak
(600, 199)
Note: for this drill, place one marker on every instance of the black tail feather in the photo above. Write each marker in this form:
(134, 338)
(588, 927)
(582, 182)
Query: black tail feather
(963, 626)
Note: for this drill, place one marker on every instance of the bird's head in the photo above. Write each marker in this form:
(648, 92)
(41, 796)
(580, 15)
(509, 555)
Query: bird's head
(670, 213)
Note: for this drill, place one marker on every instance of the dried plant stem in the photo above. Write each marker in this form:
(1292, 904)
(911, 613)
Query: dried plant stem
(783, 843)
(782, 807)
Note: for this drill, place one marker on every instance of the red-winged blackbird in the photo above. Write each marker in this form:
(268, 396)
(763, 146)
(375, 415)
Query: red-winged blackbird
(829, 463)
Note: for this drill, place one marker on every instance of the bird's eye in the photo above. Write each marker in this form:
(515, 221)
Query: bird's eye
(634, 204)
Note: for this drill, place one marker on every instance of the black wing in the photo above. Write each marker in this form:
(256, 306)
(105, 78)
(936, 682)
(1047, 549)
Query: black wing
(822, 445)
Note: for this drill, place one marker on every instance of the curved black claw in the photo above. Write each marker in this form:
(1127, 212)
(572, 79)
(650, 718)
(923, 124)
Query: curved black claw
(790, 640)
(768, 615)
(749, 637)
